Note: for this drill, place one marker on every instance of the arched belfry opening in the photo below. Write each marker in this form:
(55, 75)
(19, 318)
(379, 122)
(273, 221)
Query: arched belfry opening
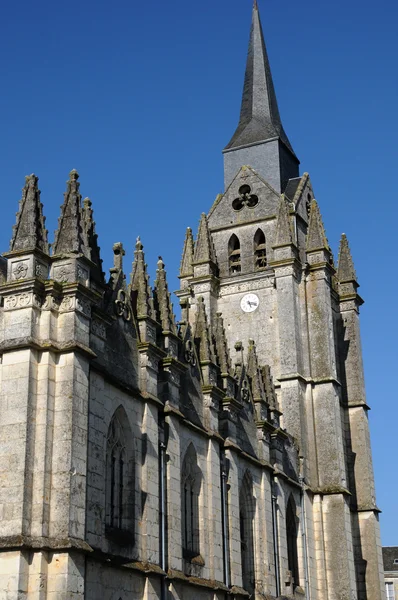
(260, 251)
(246, 521)
(291, 539)
(234, 255)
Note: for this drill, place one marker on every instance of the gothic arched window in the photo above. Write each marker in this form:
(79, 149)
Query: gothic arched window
(234, 257)
(291, 538)
(119, 474)
(246, 518)
(260, 251)
(191, 479)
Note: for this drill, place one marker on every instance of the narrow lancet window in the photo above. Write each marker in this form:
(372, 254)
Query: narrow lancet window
(291, 538)
(260, 251)
(190, 490)
(246, 518)
(234, 256)
(119, 478)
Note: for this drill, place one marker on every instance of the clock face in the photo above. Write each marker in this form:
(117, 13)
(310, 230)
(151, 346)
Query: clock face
(249, 302)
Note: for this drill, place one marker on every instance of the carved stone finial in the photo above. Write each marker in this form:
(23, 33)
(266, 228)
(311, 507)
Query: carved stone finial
(204, 249)
(221, 346)
(118, 253)
(253, 371)
(140, 288)
(283, 236)
(316, 237)
(92, 241)
(346, 270)
(164, 307)
(29, 232)
(186, 267)
(202, 333)
(71, 235)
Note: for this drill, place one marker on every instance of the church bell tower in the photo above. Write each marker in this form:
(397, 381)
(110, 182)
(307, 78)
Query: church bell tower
(262, 263)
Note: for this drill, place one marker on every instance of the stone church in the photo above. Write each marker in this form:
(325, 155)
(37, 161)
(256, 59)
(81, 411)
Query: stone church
(223, 456)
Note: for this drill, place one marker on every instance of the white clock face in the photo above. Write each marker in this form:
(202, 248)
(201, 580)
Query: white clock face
(249, 302)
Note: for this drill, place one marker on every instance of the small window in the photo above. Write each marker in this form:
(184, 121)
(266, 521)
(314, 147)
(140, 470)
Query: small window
(395, 561)
(246, 522)
(191, 479)
(260, 251)
(120, 478)
(234, 257)
(390, 594)
(291, 535)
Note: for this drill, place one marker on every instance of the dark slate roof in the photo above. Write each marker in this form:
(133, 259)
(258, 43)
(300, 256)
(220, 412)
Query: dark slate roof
(291, 187)
(390, 553)
(259, 116)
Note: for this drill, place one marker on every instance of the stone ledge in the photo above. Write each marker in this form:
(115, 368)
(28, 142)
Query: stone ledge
(43, 543)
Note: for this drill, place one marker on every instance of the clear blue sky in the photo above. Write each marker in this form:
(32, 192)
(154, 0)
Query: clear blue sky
(141, 97)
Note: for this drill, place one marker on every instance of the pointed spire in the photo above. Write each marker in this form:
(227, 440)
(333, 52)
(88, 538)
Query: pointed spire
(186, 268)
(70, 236)
(202, 334)
(221, 346)
(141, 291)
(268, 385)
(283, 236)
(92, 240)
(346, 270)
(29, 233)
(163, 301)
(204, 250)
(259, 116)
(253, 371)
(316, 238)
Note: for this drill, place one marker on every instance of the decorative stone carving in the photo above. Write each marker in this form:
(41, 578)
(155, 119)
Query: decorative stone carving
(20, 269)
(245, 391)
(151, 334)
(173, 348)
(174, 377)
(98, 328)
(63, 273)
(122, 308)
(67, 304)
(41, 270)
(24, 299)
(83, 306)
(11, 302)
(82, 274)
(190, 353)
(202, 287)
(348, 305)
(236, 288)
(50, 303)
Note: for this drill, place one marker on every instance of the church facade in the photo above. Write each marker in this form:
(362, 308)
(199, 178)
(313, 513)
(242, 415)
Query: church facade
(224, 456)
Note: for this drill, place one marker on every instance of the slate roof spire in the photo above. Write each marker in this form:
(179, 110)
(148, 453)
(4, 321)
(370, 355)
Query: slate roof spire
(259, 115)
(260, 121)
(29, 233)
